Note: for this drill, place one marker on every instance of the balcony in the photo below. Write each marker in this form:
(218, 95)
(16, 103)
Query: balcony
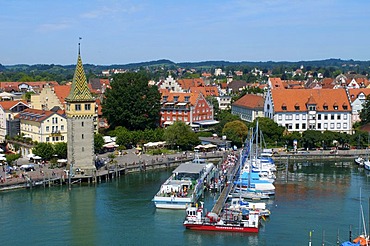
(55, 133)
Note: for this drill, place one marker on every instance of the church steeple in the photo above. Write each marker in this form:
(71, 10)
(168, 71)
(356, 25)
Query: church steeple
(80, 91)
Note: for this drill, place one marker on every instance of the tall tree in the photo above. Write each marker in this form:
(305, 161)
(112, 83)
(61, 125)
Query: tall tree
(98, 142)
(44, 150)
(60, 149)
(224, 117)
(131, 103)
(272, 132)
(365, 112)
(180, 134)
(236, 131)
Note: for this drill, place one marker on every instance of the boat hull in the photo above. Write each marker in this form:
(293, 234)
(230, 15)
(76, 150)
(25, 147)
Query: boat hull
(226, 228)
(172, 202)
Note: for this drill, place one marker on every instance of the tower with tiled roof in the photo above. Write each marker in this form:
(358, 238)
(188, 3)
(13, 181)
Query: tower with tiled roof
(80, 110)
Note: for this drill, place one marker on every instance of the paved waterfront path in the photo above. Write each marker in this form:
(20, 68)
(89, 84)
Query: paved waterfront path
(43, 172)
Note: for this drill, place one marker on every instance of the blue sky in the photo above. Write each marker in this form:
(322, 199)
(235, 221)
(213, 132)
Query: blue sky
(125, 31)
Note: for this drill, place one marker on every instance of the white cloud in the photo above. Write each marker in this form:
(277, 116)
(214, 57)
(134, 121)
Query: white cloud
(50, 27)
(109, 11)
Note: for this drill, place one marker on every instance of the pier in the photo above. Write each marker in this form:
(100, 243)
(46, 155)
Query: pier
(217, 208)
(46, 177)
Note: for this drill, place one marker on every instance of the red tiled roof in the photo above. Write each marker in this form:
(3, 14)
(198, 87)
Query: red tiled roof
(291, 98)
(8, 86)
(250, 101)
(36, 115)
(187, 83)
(353, 93)
(277, 83)
(206, 90)
(6, 105)
(181, 96)
(62, 91)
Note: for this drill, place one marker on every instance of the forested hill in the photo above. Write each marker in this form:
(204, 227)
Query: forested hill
(203, 64)
(65, 72)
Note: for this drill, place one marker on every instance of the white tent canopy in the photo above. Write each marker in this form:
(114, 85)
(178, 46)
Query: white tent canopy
(154, 144)
(6, 95)
(62, 160)
(30, 155)
(110, 145)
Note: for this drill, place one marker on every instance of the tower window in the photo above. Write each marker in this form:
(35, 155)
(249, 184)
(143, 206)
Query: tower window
(87, 107)
(82, 123)
(78, 107)
(82, 136)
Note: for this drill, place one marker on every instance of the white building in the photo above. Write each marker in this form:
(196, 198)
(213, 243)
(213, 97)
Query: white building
(357, 98)
(310, 109)
(170, 84)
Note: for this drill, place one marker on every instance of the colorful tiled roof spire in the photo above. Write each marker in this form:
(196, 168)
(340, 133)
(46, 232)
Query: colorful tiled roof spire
(79, 91)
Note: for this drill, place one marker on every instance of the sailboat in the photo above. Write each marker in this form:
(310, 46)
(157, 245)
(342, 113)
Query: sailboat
(363, 239)
(249, 179)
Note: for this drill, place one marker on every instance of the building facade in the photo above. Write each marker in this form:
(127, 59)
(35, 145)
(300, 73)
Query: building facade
(249, 107)
(43, 126)
(310, 109)
(9, 125)
(191, 108)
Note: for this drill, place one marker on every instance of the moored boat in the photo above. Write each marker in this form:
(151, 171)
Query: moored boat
(184, 186)
(229, 221)
(359, 161)
(367, 164)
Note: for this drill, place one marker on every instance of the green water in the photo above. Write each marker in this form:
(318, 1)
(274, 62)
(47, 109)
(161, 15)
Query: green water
(321, 197)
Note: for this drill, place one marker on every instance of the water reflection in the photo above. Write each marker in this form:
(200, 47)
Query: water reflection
(83, 215)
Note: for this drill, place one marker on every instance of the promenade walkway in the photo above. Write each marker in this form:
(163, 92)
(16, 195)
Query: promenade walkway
(129, 161)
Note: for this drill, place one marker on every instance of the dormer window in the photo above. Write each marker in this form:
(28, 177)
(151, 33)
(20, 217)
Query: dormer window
(176, 98)
(335, 106)
(283, 107)
(187, 99)
(165, 98)
(311, 107)
(296, 107)
(325, 106)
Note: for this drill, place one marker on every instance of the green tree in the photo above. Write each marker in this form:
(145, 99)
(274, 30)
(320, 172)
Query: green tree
(180, 134)
(44, 150)
(360, 139)
(98, 143)
(311, 139)
(236, 131)
(60, 149)
(289, 138)
(328, 139)
(365, 112)
(271, 131)
(12, 157)
(131, 102)
(224, 117)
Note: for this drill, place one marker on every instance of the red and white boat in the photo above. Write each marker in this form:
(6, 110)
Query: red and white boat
(228, 221)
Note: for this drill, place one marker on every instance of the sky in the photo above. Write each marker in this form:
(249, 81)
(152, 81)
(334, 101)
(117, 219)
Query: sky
(130, 31)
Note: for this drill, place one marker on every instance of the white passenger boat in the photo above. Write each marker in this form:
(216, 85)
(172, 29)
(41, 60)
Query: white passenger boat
(184, 187)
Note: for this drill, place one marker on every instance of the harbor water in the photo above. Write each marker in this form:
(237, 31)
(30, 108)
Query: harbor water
(322, 198)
